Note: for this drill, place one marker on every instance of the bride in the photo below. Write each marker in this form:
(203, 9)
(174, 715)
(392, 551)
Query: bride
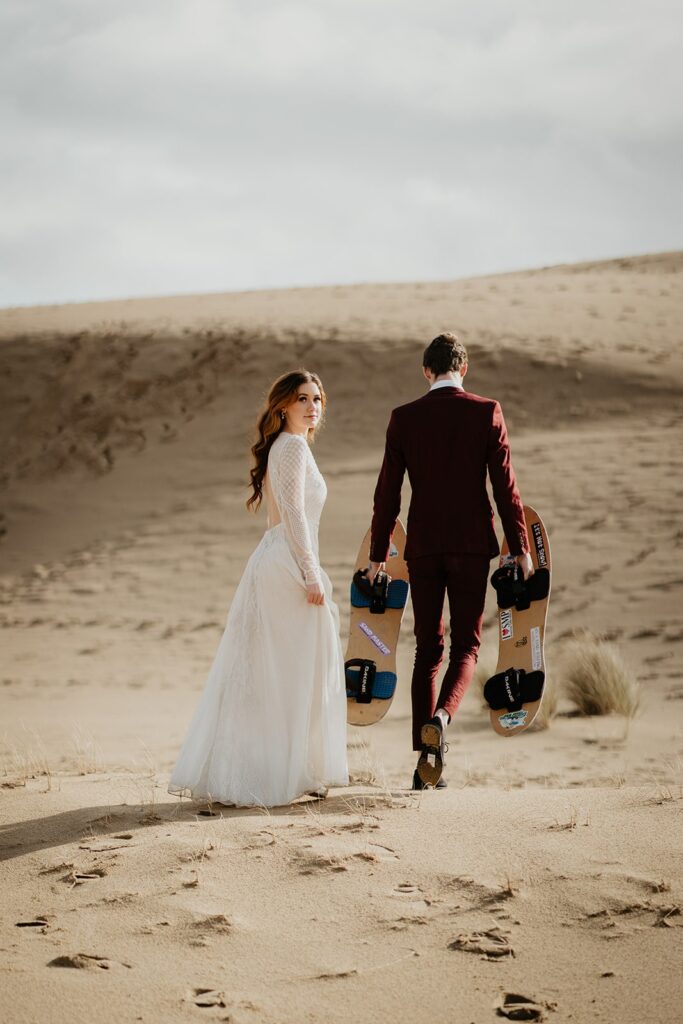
(271, 722)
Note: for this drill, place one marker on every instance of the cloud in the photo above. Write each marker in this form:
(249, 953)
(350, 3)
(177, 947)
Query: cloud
(196, 146)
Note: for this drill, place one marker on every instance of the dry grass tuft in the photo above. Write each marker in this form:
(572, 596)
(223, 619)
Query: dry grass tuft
(596, 679)
(28, 762)
(87, 757)
(366, 769)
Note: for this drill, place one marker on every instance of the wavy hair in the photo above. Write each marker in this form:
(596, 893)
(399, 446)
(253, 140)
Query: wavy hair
(270, 423)
(445, 354)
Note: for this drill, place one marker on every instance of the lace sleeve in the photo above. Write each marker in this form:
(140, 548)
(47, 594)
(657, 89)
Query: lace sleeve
(292, 480)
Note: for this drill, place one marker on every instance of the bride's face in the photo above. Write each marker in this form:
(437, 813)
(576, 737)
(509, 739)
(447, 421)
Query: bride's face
(305, 410)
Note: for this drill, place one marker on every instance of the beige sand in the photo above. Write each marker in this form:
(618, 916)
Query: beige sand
(550, 868)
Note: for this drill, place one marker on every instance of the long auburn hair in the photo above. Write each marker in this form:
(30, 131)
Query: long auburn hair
(270, 424)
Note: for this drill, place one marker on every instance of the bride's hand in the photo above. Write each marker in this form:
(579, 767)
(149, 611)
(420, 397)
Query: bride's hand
(315, 593)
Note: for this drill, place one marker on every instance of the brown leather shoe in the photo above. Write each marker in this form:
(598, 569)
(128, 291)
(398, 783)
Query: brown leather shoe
(431, 761)
(419, 784)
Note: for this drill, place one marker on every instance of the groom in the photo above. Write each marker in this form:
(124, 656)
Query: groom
(447, 441)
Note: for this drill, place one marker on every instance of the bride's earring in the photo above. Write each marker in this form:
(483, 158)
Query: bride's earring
(282, 415)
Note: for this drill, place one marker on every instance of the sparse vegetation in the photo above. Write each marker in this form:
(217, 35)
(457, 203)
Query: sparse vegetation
(87, 757)
(596, 679)
(29, 762)
(571, 822)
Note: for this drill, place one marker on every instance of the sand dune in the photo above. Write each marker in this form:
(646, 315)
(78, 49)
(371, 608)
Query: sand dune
(546, 880)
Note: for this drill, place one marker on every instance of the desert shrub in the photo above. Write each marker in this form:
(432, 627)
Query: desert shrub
(596, 679)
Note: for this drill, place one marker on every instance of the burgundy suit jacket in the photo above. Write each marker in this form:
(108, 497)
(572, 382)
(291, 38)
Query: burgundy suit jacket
(448, 441)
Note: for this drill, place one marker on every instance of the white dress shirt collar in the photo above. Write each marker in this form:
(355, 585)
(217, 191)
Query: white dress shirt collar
(455, 382)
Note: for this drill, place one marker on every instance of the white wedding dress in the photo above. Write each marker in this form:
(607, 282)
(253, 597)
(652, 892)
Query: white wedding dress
(271, 722)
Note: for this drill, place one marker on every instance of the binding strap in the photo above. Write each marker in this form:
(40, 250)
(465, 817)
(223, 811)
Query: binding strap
(397, 595)
(382, 685)
(513, 688)
(375, 591)
(360, 684)
(512, 589)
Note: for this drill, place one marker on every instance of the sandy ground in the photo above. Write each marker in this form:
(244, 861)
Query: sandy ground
(550, 868)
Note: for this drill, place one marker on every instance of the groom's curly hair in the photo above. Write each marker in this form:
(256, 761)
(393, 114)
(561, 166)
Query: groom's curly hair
(444, 354)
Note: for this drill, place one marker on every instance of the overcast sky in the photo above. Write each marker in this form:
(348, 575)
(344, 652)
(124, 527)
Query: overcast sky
(154, 147)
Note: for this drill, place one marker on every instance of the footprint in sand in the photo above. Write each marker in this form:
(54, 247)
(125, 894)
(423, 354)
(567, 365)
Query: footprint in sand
(593, 575)
(51, 869)
(596, 524)
(310, 864)
(666, 585)
(644, 634)
(492, 944)
(104, 845)
(418, 916)
(214, 923)
(41, 923)
(240, 1011)
(665, 915)
(519, 1007)
(640, 556)
(206, 997)
(613, 921)
(86, 961)
(78, 877)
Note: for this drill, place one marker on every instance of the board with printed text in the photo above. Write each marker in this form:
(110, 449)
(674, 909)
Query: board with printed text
(515, 691)
(375, 623)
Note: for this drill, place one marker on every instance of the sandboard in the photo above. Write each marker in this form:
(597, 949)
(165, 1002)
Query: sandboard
(515, 691)
(375, 624)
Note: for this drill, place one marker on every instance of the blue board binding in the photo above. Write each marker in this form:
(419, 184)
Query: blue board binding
(397, 595)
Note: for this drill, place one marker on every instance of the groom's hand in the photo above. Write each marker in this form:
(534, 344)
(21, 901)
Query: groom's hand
(373, 568)
(525, 564)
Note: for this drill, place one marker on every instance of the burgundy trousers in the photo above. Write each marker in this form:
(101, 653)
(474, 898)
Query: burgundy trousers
(463, 578)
